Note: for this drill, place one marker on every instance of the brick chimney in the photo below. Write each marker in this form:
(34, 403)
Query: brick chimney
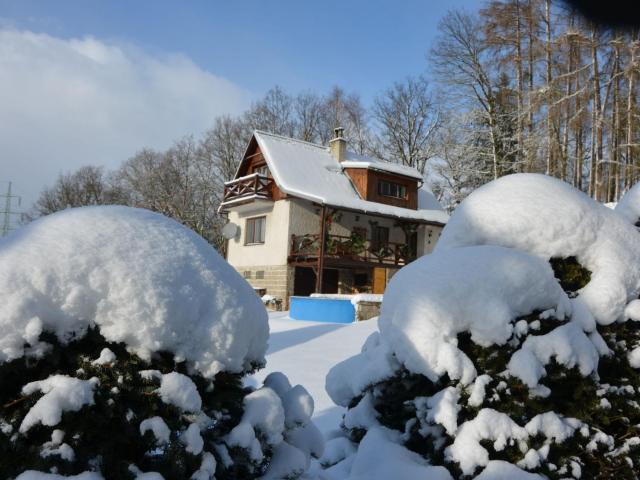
(338, 145)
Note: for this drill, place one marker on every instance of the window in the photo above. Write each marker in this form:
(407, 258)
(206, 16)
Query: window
(246, 274)
(255, 229)
(262, 170)
(260, 275)
(360, 232)
(380, 238)
(391, 189)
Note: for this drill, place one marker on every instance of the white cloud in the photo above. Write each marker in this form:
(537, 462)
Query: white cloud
(68, 103)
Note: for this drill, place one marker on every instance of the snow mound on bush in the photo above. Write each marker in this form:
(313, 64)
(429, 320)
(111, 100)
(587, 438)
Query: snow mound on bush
(476, 290)
(629, 205)
(349, 378)
(379, 457)
(61, 394)
(141, 278)
(548, 218)
(267, 415)
(479, 290)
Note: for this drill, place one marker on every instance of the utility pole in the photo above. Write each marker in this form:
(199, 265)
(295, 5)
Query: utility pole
(7, 212)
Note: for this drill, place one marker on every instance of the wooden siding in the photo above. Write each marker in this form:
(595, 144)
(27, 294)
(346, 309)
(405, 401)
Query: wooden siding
(252, 162)
(359, 178)
(366, 182)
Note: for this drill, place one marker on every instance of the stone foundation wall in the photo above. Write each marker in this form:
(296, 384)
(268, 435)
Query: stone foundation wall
(367, 310)
(277, 280)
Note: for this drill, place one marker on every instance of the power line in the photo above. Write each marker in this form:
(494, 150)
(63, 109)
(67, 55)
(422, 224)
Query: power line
(7, 213)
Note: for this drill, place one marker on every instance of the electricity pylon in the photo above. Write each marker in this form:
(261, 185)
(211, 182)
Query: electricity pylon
(7, 213)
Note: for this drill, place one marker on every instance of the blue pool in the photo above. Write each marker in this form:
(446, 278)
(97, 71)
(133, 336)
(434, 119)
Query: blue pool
(322, 309)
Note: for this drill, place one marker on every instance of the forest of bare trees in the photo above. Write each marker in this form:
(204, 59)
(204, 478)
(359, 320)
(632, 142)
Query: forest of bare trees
(517, 86)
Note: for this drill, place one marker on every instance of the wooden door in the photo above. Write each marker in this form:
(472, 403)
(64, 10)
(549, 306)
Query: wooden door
(379, 279)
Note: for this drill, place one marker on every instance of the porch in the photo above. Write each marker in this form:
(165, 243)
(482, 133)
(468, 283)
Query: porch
(349, 264)
(353, 250)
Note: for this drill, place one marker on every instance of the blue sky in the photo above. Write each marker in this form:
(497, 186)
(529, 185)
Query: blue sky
(92, 82)
(362, 45)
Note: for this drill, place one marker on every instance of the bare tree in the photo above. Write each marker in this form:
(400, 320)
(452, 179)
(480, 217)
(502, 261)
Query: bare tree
(86, 186)
(462, 62)
(344, 110)
(503, 29)
(274, 113)
(459, 166)
(224, 145)
(407, 121)
(183, 183)
(308, 113)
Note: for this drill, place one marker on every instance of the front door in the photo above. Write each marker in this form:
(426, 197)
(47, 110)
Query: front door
(379, 279)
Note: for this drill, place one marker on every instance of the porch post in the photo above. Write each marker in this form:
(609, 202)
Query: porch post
(323, 235)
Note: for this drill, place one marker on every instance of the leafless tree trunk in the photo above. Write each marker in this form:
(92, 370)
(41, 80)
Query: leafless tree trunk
(550, 169)
(596, 154)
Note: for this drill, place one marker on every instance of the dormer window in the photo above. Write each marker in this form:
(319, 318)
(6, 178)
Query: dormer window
(391, 189)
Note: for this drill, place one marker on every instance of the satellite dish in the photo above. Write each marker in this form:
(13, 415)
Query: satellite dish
(230, 230)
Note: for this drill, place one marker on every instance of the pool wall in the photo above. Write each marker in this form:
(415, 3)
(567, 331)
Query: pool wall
(322, 309)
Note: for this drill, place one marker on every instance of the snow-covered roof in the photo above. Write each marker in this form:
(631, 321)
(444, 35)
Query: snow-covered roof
(427, 200)
(309, 171)
(353, 160)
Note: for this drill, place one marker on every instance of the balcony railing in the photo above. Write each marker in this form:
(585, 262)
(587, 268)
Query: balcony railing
(254, 185)
(353, 248)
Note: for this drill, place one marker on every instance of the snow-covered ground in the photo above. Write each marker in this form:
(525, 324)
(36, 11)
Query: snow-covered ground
(307, 351)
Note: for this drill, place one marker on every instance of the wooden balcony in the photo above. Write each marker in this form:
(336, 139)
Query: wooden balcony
(254, 186)
(349, 251)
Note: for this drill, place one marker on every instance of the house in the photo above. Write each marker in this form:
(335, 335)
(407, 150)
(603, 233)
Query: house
(287, 194)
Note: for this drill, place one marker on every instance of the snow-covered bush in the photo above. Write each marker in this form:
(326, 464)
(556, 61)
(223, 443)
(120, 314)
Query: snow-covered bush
(550, 219)
(124, 341)
(511, 352)
(629, 205)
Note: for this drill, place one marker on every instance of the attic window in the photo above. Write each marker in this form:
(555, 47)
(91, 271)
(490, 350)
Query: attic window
(391, 189)
(262, 170)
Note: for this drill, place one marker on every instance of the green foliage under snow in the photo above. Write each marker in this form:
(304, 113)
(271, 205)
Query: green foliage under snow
(605, 445)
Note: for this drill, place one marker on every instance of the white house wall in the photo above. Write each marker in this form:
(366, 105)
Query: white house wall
(304, 217)
(274, 250)
(428, 236)
(264, 266)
